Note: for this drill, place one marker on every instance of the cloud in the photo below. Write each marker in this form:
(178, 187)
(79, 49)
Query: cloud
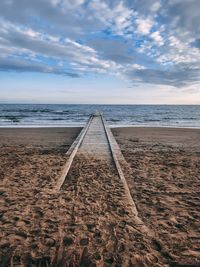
(176, 78)
(145, 41)
(156, 6)
(157, 38)
(118, 17)
(144, 25)
(34, 45)
(19, 65)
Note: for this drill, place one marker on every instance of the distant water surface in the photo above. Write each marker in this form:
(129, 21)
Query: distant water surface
(44, 115)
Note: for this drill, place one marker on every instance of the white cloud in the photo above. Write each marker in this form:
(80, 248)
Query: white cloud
(144, 26)
(31, 33)
(156, 6)
(180, 53)
(128, 35)
(175, 42)
(33, 44)
(157, 38)
(136, 67)
(123, 17)
(118, 18)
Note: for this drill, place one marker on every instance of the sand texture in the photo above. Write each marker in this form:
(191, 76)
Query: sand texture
(30, 162)
(89, 222)
(165, 185)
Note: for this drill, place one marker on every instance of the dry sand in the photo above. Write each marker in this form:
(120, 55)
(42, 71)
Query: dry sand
(39, 226)
(30, 162)
(165, 185)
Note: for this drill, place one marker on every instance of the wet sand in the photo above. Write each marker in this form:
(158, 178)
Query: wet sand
(41, 226)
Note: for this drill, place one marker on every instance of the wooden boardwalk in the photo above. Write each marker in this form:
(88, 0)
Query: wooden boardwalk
(95, 142)
(101, 218)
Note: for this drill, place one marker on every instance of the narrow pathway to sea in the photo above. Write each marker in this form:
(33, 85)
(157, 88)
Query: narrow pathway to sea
(76, 210)
(101, 226)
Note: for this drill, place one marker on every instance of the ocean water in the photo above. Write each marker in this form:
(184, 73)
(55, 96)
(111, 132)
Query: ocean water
(44, 115)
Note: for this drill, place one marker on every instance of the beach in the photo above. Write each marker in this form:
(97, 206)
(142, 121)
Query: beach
(163, 178)
(99, 133)
(164, 184)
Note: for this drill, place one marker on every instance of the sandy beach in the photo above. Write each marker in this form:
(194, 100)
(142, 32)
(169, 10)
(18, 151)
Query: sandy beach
(164, 183)
(99, 133)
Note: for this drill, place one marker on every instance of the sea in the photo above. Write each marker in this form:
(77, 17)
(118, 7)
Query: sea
(65, 115)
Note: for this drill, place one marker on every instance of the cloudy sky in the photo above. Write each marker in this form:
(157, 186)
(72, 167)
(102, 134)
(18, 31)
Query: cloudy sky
(100, 51)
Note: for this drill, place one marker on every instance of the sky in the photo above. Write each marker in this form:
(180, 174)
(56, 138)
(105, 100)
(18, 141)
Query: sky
(100, 51)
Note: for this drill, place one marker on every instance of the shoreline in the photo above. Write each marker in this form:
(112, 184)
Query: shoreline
(82, 125)
(184, 138)
(30, 136)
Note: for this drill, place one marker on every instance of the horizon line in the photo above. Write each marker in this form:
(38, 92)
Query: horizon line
(99, 104)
